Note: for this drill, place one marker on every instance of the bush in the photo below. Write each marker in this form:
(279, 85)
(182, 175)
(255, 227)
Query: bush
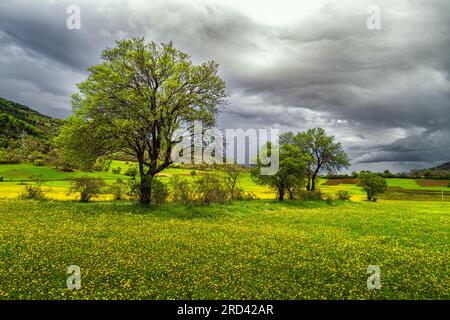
(97, 167)
(87, 187)
(310, 195)
(329, 198)
(35, 155)
(132, 171)
(118, 190)
(102, 164)
(211, 188)
(1, 179)
(159, 192)
(343, 195)
(33, 192)
(116, 170)
(182, 192)
(38, 162)
(133, 190)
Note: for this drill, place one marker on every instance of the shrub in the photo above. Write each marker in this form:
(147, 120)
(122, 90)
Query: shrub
(211, 188)
(1, 179)
(329, 198)
(159, 192)
(38, 162)
(343, 195)
(182, 192)
(35, 155)
(33, 192)
(133, 190)
(132, 171)
(116, 170)
(310, 195)
(232, 180)
(97, 167)
(87, 187)
(118, 190)
(102, 164)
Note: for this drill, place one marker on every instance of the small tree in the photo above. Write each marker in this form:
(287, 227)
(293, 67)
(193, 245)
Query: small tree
(291, 172)
(325, 155)
(233, 173)
(87, 187)
(372, 184)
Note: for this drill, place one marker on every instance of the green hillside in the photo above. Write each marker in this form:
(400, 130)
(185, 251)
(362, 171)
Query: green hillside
(24, 131)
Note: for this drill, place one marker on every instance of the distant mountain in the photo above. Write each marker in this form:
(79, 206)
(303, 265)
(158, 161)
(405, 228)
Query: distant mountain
(445, 167)
(19, 123)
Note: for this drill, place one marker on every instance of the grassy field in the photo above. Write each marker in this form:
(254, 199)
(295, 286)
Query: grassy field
(249, 250)
(57, 183)
(257, 249)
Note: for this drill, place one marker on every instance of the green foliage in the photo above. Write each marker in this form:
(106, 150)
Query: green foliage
(135, 100)
(116, 170)
(233, 173)
(343, 195)
(210, 188)
(39, 162)
(118, 190)
(329, 198)
(306, 195)
(290, 175)
(33, 192)
(23, 131)
(87, 187)
(372, 184)
(132, 171)
(322, 153)
(133, 190)
(182, 192)
(159, 192)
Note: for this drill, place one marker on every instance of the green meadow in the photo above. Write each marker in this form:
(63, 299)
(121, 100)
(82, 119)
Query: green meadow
(247, 250)
(258, 249)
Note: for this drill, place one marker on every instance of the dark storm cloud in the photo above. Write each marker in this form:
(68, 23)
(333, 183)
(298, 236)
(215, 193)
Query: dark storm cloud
(385, 93)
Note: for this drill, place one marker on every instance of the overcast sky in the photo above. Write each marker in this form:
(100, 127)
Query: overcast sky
(288, 64)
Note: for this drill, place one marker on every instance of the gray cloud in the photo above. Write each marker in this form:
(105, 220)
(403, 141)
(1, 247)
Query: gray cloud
(385, 94)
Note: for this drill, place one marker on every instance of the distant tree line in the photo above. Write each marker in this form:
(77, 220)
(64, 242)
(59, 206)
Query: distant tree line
(432, 173)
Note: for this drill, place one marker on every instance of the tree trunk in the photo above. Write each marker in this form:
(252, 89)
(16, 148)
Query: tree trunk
(280, 194)
(313, 184)
(291, 194)
(313, 179)
(145, 189)
(308, 185)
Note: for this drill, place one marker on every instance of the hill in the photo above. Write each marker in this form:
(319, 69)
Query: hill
(24, 131)
(445, 167)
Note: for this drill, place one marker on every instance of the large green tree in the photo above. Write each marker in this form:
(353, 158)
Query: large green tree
(135, 100)
(324, 153)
